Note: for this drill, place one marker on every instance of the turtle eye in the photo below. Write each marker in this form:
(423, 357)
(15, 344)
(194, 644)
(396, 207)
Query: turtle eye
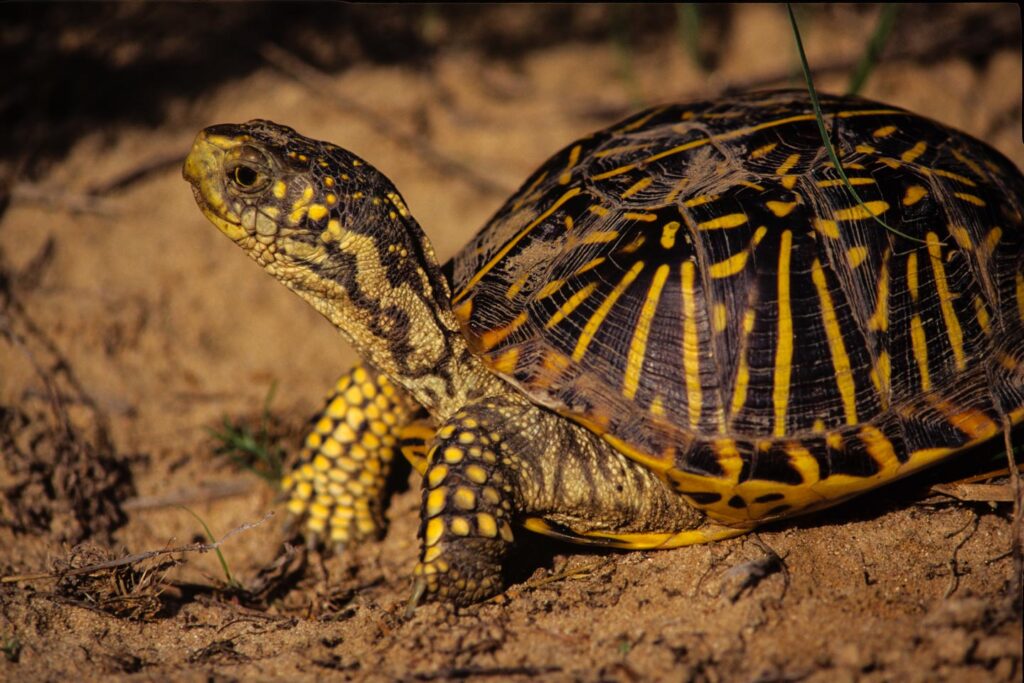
(246, 177)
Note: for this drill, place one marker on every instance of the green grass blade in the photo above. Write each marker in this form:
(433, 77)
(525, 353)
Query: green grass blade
(220, 556)
(824, 133)
(886, 22)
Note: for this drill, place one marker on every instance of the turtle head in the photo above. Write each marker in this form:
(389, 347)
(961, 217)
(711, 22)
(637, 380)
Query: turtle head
(333, 229)
(286, 199)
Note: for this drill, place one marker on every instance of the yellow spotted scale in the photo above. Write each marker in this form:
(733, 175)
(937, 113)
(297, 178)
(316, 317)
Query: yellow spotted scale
(681, 326)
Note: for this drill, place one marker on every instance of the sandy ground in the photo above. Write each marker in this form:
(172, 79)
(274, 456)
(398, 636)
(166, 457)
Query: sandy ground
(167, 328)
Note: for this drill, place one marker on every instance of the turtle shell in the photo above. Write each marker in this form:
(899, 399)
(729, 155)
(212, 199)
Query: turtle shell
(698, 285)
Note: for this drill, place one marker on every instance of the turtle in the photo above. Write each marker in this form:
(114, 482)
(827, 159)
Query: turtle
(680, 327)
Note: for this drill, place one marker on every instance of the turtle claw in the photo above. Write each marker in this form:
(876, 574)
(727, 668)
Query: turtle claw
(313, 542)
(419, 589)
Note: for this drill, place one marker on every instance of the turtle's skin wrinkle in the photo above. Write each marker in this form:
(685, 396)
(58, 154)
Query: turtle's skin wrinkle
(679, 327)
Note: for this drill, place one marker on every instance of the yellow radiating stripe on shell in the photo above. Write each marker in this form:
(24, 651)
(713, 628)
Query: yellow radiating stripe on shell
(788, 164)
(638, 345)
(739, 392)
(720, 317)
(879, 320)
(914, 152)
(513, 242)
(840, 359)
(729, 266)
(725, 222)
(600, 237)
(982, 314)
(491, 338)
(912, 274)
(920, 348)
(574, 157)
(970, 198)
(588, 332)
(590, 265)
(856, 255)
(913, 195)
(1020, 295)
(884, 131)
(839, 182)
(640, 216)
(703, 199)
(784, 349)
(668, 234)
(953, 330)
(571, 304)
(862, 211)
(637, 187)
(954, 176)
(549, 289)
(764, 150)
(691, 344)
(962, 237)
(781, 209)
(881, 377)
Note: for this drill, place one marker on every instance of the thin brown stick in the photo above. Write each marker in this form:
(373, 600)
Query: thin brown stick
(136, 557)
(204, 494)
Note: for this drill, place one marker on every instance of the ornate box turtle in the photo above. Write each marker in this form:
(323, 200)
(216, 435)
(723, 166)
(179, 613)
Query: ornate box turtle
(679, 327)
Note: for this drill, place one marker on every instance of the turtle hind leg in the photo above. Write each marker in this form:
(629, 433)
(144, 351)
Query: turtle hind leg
(336, 490)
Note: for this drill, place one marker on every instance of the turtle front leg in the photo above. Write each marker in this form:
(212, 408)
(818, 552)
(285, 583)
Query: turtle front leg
(466, 520)
(337, 485)
(499, 463)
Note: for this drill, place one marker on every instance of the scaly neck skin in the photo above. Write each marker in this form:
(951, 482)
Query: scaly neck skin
(381, 286)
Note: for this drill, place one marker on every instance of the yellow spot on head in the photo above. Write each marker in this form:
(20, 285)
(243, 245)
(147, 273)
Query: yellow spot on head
(280, 189)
